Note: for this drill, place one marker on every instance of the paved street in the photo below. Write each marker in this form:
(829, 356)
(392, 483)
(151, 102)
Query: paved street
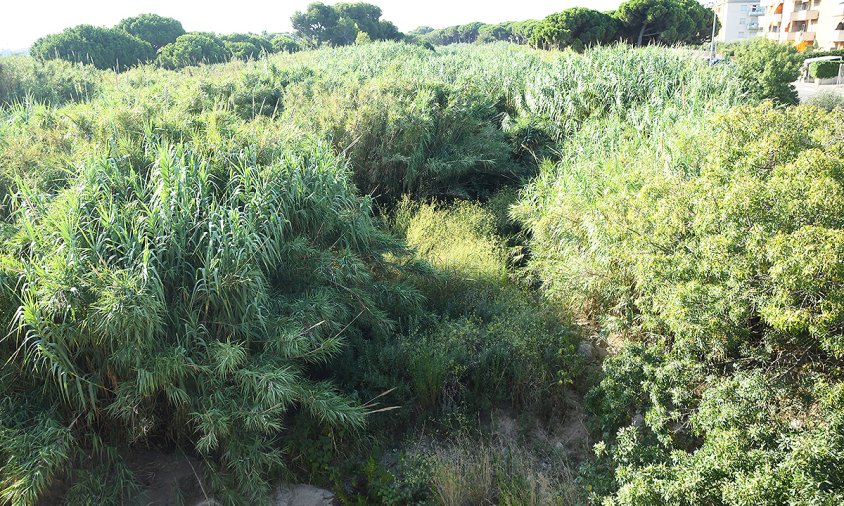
(807, 90)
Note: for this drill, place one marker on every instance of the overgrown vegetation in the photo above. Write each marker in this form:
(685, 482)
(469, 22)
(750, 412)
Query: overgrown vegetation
(394, 271)
(712, 249)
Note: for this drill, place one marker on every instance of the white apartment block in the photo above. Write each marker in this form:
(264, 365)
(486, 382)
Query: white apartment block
(739, 19)
(805, 23)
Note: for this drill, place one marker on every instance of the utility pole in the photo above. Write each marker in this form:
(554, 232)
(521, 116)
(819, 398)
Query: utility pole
(712, 42)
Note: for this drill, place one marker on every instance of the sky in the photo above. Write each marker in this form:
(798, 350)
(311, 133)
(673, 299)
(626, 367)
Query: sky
(24, 21)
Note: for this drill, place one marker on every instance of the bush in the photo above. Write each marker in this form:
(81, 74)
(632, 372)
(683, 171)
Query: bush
(189, 298)
(105, 48)
(418, 136)
(501, 472)
(54, 82)
(490, 342)
(715, 247)
(768, 68)
(824, 69)
(157, 30)
(192, 49)
(817, 54)
(245, 46)
(636, 85)
(285, 44)
(828, 100)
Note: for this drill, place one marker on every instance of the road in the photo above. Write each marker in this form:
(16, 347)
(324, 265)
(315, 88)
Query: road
(807, 90)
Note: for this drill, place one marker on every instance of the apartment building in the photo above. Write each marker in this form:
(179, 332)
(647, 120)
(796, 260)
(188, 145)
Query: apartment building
(804, 23)
(739, 19)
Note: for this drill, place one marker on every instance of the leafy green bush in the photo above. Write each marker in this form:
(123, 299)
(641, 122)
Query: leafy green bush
(157, 30)
(501, 472)
(53, 81)
(186, 297)
(828, 100)
(104, 48)
(245, 46)
(192, 49)
(824, 69)
(492, 342)
(715, 247)
(249, 94)
(817, 54)
(634, 85)
(285, 44)
(417, 136)
(768, 68)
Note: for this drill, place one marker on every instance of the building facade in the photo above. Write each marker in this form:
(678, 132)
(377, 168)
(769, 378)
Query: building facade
(805, 23)
(739, 19)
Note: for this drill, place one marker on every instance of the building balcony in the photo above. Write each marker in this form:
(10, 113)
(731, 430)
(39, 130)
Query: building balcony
(754, 27)
(807, 15)
(756, 12)
(800, 36)
(838, 36)
(771, 19)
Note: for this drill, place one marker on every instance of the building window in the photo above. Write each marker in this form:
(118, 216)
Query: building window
(741, 35)
(743, 9)
(742, 21)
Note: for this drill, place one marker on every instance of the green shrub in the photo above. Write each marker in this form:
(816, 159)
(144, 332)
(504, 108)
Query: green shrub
(157, 30)
(817, 54)
(186, 297)
(828, 100)
(427, 302)
(192, 49)
(715, 247)
(491, 343)
(768, 68)
(635, 85)
(104, 48)
(249, 94)
(245, 46)
(413, 136)
(285, 44)
(53, 82)
(824, 69)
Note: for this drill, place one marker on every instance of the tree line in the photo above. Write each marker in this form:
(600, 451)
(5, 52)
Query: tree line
(151, 38)
(637, 22)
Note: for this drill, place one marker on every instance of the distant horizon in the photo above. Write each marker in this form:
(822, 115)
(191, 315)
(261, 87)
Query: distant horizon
(24, 23)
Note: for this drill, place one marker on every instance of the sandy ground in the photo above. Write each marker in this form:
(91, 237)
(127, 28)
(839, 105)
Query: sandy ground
(808, 90)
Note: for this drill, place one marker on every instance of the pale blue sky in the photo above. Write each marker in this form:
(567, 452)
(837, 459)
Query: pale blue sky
(23, 21)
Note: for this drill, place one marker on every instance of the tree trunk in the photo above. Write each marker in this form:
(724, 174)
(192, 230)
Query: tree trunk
(641, 34)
